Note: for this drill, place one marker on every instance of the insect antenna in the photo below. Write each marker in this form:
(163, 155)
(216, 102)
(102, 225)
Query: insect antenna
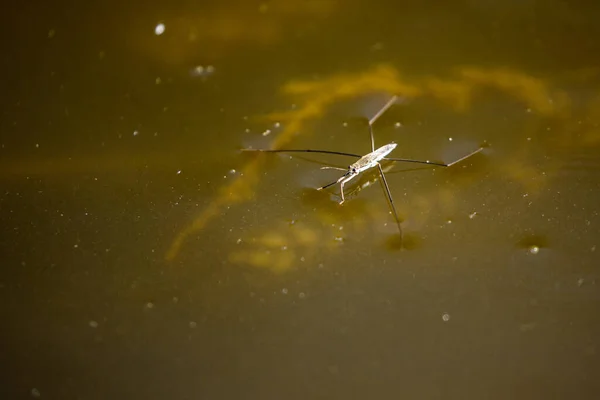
(338, 153)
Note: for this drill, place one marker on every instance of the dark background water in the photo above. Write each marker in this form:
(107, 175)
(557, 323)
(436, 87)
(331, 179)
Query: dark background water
(112, 142)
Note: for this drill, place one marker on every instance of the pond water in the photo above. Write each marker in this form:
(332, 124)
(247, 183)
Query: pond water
(145, 256)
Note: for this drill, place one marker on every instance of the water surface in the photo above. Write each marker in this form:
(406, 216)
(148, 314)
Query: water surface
(144, 256)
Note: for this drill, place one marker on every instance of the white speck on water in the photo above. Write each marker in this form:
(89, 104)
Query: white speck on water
(534, 249)
(345, 124)
(284, 291)
(446, 317)
(284, 248)
(276, 125)
(93, 324)
(473, 215)
(398, 125)
(580, 282)
(37, 145)
(75, 246)
(267, 132)
(35, 392)
(159, 29)
(238, 241)
(449, 139)
(301, 295)
(201, 71)
(135, 133)
(302, 259)
(449, 221)
(149, 305)
(178, 172)
(232, 171)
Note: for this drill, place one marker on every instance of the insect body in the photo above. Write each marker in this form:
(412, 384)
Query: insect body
(366, 162)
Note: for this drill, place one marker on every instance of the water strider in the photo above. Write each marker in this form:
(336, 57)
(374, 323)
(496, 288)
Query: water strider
(368, 161)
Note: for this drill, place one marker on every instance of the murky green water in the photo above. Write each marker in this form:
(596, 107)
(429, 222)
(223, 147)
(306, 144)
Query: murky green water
(145, 257)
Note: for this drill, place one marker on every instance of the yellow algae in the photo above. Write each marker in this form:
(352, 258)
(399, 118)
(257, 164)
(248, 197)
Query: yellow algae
(454, 94)
(278, 249)
(532, 91)
(280, 261)
(273, 239)
(518, 171)
(305, 236)
(313, 98)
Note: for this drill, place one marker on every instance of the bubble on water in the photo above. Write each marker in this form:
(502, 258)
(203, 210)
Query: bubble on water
(534, 250)
(149, 305)
(533, 244)
(302, 295)
(284, 291)
(446, 317)
(202, 71)
(159, 29)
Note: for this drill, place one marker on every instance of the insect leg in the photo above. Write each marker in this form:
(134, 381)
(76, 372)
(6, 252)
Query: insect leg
(390, 198)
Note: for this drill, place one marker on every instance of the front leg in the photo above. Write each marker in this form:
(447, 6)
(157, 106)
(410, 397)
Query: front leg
(342, 191)
(342, 183)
